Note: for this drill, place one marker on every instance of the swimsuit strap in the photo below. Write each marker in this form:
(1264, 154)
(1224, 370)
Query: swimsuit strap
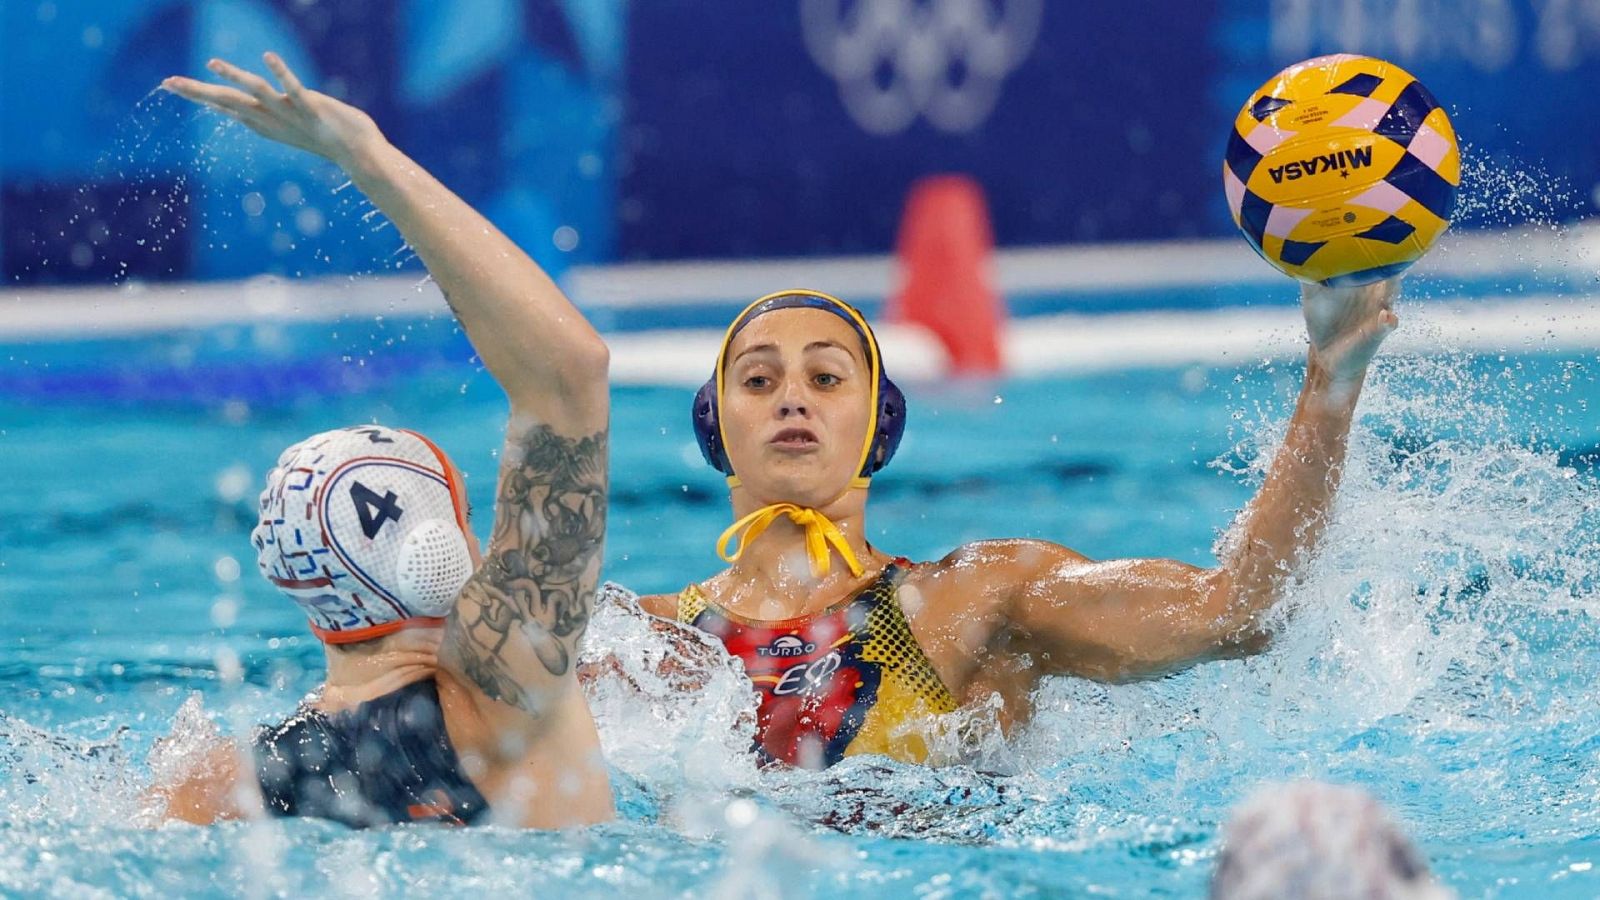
(890, 642)
(691, 603)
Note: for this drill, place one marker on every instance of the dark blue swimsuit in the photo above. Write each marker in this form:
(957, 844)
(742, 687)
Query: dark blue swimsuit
(387, 761)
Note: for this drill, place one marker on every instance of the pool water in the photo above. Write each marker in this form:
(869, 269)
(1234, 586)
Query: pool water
(1441, 650)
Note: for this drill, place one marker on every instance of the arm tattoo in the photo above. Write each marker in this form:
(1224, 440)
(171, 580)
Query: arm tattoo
(527, 606)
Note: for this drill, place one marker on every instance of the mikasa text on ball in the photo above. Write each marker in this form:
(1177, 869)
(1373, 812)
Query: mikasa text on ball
(1342, 170)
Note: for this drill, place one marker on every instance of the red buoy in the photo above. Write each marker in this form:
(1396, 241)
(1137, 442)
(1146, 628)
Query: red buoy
(946, 251)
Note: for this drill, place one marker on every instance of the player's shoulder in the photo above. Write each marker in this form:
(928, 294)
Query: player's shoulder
(995, 560)
(664, 606)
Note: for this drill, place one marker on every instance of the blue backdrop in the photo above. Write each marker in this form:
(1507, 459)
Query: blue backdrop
(596, 130)
(513, 103)
(1108, 124)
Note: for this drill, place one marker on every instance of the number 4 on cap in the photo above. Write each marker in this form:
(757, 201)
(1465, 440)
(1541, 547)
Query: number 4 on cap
(374, 510)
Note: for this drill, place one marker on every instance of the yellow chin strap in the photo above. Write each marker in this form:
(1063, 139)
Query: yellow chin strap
(820, 532)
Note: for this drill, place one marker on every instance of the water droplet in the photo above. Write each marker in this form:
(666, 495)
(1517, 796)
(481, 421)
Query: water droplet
(740, 813)
(565, 238)
(224, 612)
(226, 569)
(228, 667)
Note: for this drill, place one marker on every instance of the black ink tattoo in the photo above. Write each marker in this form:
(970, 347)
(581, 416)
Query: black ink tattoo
(531, 599)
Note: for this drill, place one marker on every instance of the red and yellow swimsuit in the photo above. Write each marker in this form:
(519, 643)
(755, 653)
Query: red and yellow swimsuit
(850, 679)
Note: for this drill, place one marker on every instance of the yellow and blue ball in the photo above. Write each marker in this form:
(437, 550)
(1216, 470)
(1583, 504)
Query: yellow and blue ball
(1342, 170)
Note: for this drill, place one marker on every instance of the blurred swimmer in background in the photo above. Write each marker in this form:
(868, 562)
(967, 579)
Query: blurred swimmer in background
(1315, 841)
(451, 691)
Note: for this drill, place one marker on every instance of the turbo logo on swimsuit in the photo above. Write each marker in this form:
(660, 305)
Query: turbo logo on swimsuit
(788, 645)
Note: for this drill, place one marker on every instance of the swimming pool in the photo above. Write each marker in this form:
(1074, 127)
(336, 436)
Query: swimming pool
(1441, 651)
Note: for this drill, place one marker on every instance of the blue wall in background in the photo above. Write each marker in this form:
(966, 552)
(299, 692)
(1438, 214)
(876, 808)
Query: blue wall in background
(513, 103)
(595, 130)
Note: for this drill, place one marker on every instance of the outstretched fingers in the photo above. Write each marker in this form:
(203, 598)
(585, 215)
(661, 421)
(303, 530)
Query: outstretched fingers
(222, 98)
(1383, 294)
(286, 77)
(253, 84)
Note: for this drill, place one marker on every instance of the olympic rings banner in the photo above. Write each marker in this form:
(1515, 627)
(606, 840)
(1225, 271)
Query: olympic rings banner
(797, 126)
(602, 130)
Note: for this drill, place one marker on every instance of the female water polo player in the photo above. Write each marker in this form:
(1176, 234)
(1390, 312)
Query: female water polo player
(852, 650)
(451, 692)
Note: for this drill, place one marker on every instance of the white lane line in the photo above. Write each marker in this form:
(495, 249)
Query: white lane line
(1044, 345)
(1037, 344)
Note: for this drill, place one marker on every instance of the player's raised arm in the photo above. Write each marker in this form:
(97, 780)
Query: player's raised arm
(1136, 618)
(1280, 528)
(515, 630)
(537, 345)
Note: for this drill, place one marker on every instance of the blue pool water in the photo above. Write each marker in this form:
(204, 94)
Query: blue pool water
(1441, 651)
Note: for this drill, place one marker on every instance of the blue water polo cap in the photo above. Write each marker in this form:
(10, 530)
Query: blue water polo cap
(888, 422)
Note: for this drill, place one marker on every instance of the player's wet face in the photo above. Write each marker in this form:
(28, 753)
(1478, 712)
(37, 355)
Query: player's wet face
(795, 405)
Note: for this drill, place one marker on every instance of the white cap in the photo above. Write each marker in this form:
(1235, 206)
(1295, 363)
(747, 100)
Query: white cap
(1318, 842)
(361, 526)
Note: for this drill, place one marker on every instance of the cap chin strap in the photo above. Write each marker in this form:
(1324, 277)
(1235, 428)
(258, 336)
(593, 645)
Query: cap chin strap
(820, 533)
(371, 632)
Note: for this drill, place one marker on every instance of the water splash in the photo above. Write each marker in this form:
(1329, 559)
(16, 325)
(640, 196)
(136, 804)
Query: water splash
(673, 709)
(1446, 623)
(1501, 191)
(60, 781)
